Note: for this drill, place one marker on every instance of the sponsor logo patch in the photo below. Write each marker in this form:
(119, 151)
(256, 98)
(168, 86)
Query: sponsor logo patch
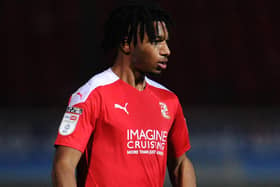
(146, 141)
(69, 121)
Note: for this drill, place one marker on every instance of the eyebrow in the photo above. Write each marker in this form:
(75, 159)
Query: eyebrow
(160, 37)
(165, 36)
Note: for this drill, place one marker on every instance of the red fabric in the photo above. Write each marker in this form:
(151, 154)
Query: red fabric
(127, 148)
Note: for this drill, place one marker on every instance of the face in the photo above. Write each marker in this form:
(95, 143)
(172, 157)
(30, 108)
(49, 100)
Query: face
(151, 57)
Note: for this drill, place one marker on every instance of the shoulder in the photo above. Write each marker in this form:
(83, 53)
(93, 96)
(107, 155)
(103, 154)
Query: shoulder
(166, 97)
(104, 78)
(160, 90)
(156, 84)
(159, 87)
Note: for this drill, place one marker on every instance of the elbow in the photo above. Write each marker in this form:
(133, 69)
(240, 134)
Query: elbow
(186, 168)
(61, 169)
(185, 174)
(54, 177)
(181, 167)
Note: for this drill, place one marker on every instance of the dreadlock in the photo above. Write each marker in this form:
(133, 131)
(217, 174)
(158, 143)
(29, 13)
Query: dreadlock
(124, 21)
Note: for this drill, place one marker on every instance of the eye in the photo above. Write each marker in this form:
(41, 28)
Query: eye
(157, 41)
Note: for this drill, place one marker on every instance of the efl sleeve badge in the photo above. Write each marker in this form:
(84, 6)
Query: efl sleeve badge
(69, 121)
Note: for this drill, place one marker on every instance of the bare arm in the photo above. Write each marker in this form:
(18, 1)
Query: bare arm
(181, 172)
(64, 165)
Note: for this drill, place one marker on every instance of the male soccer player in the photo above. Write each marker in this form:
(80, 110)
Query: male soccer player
(121, 128)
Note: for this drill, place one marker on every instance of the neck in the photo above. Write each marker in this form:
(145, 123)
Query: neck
(123, 69)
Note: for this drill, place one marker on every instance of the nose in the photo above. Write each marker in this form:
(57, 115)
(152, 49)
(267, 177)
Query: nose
(165, 51)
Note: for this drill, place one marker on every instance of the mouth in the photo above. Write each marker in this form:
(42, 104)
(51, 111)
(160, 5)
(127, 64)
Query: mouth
(162, 64)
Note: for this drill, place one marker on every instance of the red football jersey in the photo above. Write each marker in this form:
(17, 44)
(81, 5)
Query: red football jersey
(123, 133)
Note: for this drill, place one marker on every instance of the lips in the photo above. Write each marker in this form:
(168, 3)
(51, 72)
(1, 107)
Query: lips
(162, 64)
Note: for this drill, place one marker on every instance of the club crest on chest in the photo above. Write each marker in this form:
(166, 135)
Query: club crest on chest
(164, 110)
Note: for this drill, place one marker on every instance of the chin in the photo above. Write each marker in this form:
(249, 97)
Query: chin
(155, 72)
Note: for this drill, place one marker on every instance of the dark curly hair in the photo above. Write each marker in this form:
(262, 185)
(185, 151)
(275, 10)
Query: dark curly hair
(123, 23)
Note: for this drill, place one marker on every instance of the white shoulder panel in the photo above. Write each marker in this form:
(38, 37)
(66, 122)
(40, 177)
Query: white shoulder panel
(155, 84)
(104, 78)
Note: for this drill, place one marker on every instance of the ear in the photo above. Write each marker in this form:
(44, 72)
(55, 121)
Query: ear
(125, 47)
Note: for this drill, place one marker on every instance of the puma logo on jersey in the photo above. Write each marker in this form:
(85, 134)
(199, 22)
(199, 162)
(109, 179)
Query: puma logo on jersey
(122, 107)
(164, 110)
(79, 94)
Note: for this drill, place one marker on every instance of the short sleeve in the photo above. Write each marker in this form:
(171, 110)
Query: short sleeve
(78, 122)
(178, 137)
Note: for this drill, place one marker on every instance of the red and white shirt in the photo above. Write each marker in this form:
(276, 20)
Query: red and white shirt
(123, 133)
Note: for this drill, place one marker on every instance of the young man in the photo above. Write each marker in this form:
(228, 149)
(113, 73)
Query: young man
(121, 128)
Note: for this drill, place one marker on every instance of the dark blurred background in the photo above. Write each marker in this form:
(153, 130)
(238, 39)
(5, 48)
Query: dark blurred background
(225, 68)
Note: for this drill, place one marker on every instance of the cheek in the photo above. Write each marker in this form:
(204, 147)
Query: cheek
(149, 58)
(152, 52)
(145, 56)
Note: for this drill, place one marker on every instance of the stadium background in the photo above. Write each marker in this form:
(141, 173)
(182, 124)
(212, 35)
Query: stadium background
(224, 67)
